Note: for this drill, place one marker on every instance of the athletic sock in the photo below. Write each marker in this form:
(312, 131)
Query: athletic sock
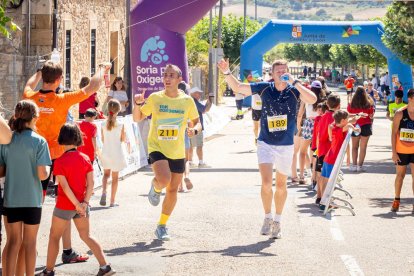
(397, 198)
(103, 267)
(163, 219)
(157, 191)
(278, 218)
(67, 251)
(201, 162)
(268, 216)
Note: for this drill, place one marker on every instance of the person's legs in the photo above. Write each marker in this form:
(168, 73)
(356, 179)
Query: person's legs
(13, 244)
(162, 174)
(303, 155)
(363, 149)
(171, 194)
(56, 231)
(82, 225)
(66, 238)
(114, 186)
(266, 173)
(256, 125)
(296, 147)
(280, 193)
(200, 154)
(190, 154)
(399, 178)
(355, 147)
(105, 177)
(29, 243)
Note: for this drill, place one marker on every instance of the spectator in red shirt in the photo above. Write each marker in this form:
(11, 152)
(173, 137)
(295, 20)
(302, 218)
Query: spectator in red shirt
(74, 173)
(323, 143)
(337, 132)
(89, 131)
(361, 103)
(321, 109)
(91, 102)
(349, 85)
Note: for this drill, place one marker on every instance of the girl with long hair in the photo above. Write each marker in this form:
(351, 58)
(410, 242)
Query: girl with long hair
(118, 92)
(361, 103)
(26, 159)
(113, 157)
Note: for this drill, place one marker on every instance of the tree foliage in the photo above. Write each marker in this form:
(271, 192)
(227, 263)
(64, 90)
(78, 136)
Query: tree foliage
(232, 34)
(7, 26)
(399, 29)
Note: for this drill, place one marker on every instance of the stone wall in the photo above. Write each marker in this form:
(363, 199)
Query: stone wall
(80, 17)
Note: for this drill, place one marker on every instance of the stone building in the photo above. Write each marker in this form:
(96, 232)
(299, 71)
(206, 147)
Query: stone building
(85, 33)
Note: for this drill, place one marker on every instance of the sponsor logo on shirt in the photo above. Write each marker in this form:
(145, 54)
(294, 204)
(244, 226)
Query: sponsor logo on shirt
(164, 108)
(48, 110)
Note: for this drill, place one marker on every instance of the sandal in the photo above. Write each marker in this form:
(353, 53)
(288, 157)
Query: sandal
(188, 183)
(302, 180)
(294, 179)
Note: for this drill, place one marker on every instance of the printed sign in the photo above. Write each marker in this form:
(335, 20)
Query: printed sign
(297, 31)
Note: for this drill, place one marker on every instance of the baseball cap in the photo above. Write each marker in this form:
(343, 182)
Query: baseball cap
(195, 89)
(316, 84)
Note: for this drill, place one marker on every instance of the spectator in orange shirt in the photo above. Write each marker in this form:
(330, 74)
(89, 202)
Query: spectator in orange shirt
(53, 109)
(349, 85)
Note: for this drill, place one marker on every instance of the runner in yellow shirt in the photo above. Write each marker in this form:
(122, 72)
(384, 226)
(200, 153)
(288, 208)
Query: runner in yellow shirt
(171, 110)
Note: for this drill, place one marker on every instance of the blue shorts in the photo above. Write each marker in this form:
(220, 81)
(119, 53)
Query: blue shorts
(326, 170)
(187, 141)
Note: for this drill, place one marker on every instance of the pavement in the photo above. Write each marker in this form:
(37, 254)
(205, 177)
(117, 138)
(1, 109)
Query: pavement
(215, 227)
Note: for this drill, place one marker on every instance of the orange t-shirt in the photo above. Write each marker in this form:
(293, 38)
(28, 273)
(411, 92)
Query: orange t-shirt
(349, 83)
(53, 110)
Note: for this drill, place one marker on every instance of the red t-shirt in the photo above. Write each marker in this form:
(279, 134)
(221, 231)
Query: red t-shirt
(323, 137)
(74, 166)
(315, 132)
(349, 83)
(338, 137)
(362, 121)
(88, 103)
(88, 131)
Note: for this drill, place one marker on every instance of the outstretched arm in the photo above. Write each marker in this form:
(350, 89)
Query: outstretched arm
(96, 80)
(235, 85)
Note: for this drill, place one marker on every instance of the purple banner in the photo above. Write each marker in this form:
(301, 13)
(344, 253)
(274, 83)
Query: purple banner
(151, 50)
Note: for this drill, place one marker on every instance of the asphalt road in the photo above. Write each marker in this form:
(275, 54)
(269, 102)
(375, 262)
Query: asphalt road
(215, 227)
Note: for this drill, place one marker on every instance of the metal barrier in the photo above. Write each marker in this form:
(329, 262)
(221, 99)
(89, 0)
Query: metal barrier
(334, 183)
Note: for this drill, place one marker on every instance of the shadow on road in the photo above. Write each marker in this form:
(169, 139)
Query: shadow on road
(244, 251)
(154, 247)
(309, 208)
(405, 207)
(378, 167)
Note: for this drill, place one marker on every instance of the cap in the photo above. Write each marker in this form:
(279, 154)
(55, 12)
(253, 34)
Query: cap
(365, 83)
(195, 89)
(316, 84)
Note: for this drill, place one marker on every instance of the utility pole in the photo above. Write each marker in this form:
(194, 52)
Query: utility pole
(218, 47)
(255, 10)
(244, 24)
(127, 64)
(210, 57)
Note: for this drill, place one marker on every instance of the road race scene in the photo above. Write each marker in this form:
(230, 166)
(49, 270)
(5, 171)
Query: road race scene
(206, 137)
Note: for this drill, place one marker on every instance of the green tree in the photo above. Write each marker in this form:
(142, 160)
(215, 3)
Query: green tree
(399, 29)
(276, 52)
(232, 36)
(197, 49)
(7, 26)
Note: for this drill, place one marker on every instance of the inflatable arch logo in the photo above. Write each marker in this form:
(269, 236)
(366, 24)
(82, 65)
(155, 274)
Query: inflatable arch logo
(320, 32)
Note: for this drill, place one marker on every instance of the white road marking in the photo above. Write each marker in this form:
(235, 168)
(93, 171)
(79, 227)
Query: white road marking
(335, 230)
(352, 265)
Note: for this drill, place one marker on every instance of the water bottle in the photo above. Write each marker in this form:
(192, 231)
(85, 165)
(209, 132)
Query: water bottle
(284, 78)
(357, 133)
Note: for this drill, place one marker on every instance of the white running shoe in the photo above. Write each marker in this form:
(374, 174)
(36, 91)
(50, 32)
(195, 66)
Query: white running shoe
(267, 226)
(352, 168)
(276, 231)
(360, 169)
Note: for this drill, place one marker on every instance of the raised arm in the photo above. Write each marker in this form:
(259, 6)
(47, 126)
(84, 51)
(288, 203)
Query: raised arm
(96, 80)
(33, 81)
(235, 85)
(5, 132)
(137, 115)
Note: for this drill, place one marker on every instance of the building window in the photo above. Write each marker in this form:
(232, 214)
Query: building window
(93, 52)
(68, 59)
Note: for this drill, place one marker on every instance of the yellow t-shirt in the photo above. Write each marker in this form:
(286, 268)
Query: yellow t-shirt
(169, 122)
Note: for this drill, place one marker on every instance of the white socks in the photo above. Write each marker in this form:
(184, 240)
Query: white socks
(278, 218)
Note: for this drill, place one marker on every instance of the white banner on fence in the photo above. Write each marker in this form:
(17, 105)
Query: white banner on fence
(214, 121)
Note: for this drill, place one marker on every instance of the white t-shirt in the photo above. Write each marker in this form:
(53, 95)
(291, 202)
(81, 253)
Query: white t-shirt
(256, 102)
(310, 113)
(120, 95)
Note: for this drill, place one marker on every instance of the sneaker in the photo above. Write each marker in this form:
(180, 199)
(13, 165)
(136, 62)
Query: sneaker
(74, 257)
(46, 273)
(192, 165)
(395, 206)
(276, 231)
(318, 201)
(188, 184)
(360, 169)
(161, 233)
(352, 168)
(153, 196)
(203, 165)
(102, 202)
(107, 271)
(266, 227)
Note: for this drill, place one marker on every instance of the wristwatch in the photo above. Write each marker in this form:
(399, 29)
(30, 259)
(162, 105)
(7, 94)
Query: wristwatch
(140, 104)
(295, 82)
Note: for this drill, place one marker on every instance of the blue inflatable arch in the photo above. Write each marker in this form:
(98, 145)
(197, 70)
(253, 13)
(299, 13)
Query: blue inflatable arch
(321, 32)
